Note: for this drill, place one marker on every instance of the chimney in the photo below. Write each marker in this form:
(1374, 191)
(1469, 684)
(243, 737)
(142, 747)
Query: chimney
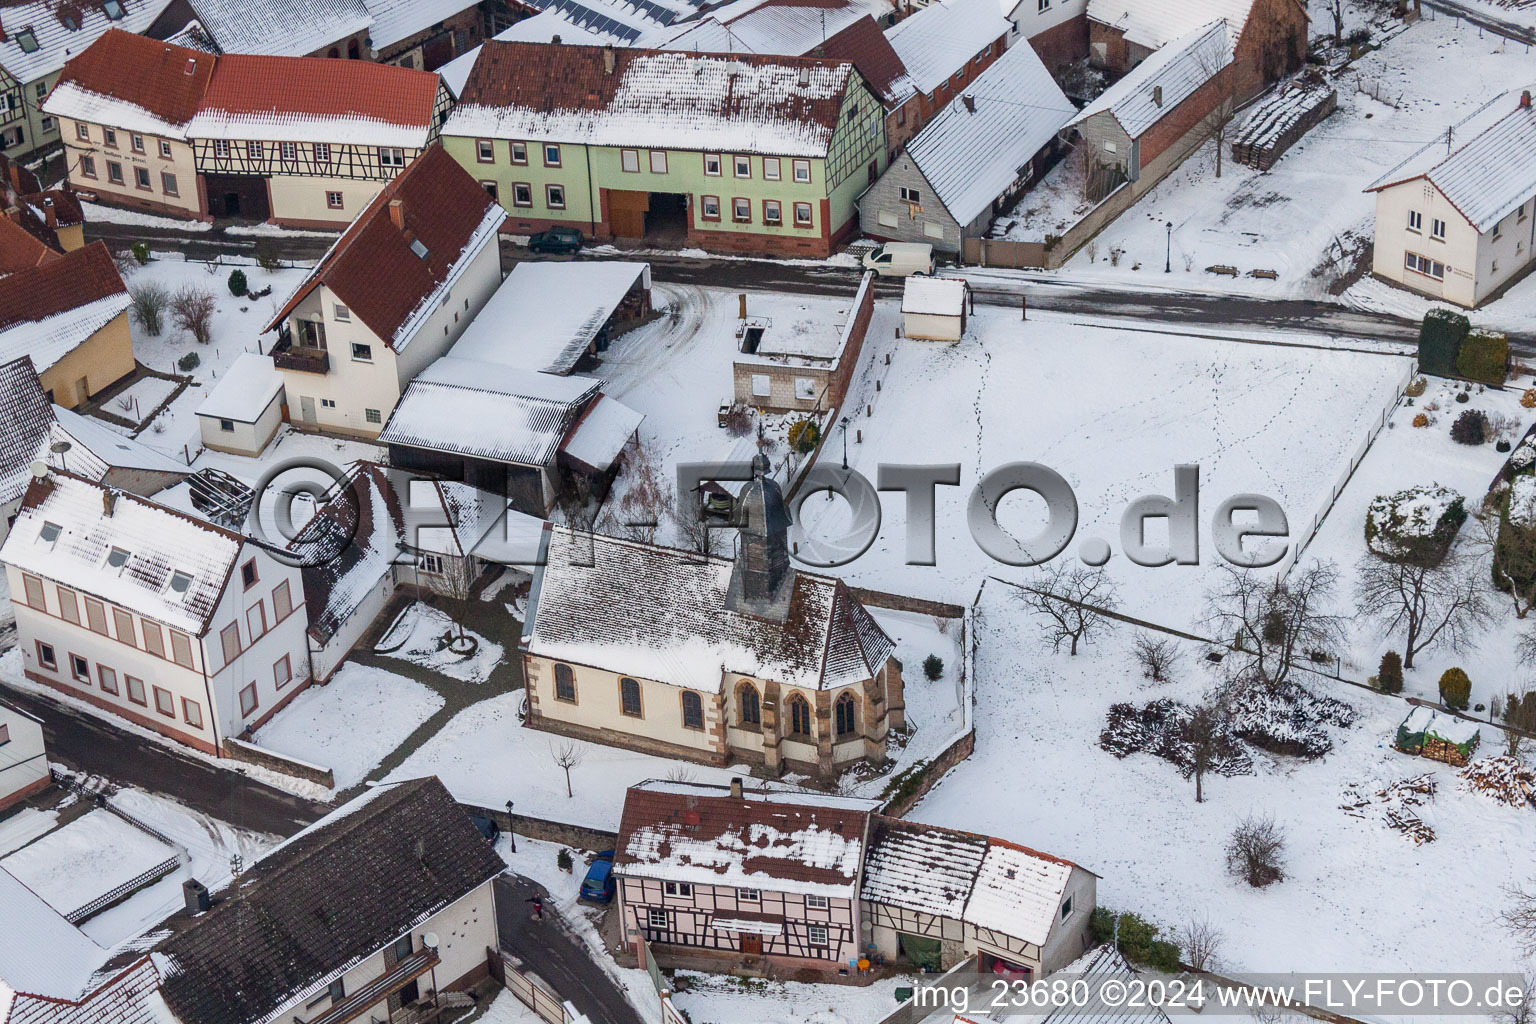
(608, 59)
(16, 168)
(50, 215)
(1525, 99)
(970, 103)
(554, 40)
(195, 894)
(108, 502)
(1157, 95)
(397, 213)
(805, 76)
(736, 787)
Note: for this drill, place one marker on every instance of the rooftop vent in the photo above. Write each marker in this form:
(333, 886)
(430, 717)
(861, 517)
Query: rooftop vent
(1525, 99)
(196, 895)
(108, 502)
(970, 103)
(1157, 95)
(191, 68)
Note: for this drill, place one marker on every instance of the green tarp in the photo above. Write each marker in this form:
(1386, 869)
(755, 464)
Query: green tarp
(924, 953)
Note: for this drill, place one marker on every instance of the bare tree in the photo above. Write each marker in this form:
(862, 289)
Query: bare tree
(1336, 8)
(1256, 851)
(456, 582)
(1157, 655)
(1511, 549)
(147, 303)
(1277, 620)
(567, 755)
(1519, 714)
(1523, 1012)
(1519, 916)
(1207, 733)
(1218, 119)
(192, 308)
(1435, 605)
(680, 773)
(1199, 939)
(1073, 599)
(646, 502)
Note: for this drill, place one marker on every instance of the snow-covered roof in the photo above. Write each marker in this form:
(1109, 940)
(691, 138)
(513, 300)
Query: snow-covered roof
(56, 41)
(25, 418)
(488, 411)
(973, 152)
(1154, 23)
(246, 390)
(1098, 966)
(602, 432)
(541, 28)
(784, 106)
(1018, 892)
(1177, 69)
(1491, 169)
(92, 438)
(939, 39)
(397, 20)
(713, 838)
(922, 868)
(933, 296)
(48, 310)
(162, 548)
(52, 338)
(281, 27)
(45, 955)
(470, 511)
(74, 101)
(133, 83)
(347, 546)
(519, 326)
(660, 613)
(623, 22)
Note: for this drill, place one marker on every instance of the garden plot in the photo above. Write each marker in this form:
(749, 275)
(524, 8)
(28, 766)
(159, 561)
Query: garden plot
(1292, 217)
(1113, 410)
(141, 398)
(429, 637)
(1388, 900)
(85, 859)
(1404, 456)
(351, 723)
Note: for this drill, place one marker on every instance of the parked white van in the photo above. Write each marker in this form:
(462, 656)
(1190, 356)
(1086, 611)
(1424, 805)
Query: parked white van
(901, 259)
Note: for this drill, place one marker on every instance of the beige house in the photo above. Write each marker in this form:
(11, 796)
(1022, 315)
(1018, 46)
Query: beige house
(394, 293)
(296, 141)
(933, 308)
(152, 614)
(23, 760)
(802, 367)
(70, 315)
(1457, 220)
(245, 408)
(706, 658)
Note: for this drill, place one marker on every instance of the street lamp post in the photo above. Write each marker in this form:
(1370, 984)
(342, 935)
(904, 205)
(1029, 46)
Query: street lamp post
(1168, 257)
(845, 444)
(511, 835)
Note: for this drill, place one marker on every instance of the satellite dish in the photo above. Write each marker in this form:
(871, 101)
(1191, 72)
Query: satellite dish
(39, 468)
(429, 940)
(60, 447)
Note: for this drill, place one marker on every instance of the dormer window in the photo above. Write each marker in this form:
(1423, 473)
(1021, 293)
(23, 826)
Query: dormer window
(113, 9)
(27, 40)
(117, 558)
(69, 21)
(180, 581)
(50, 532)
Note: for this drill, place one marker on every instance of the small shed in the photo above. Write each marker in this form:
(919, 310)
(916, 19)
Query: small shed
(244, 410)
(933, 308)
(1428, 733)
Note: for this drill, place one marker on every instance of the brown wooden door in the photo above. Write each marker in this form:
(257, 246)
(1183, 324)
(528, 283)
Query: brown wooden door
(626, 212)
(752, 945)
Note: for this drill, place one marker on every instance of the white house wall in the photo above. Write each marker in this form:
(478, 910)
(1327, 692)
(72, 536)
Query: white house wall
(327, 659)
(23, 759)
(1395, 237)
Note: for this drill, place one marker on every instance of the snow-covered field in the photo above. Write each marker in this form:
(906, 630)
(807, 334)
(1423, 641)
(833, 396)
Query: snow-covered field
(87, 858)
(1356, 896)
(1289, 218)
(416, 638)
(352, 723)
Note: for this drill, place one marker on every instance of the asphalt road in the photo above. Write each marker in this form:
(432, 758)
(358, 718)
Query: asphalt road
(549, 948)
(87, 744)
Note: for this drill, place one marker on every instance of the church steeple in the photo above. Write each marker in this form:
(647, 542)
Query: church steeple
(762, 578)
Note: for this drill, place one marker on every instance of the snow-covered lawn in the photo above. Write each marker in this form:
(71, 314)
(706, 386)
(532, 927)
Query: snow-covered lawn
(417, 637)
(721, 999)
(1288, 218)
(87, 858)
(1113, 410)
(485, 757)
(352, 723)
(141, 398)
(1387, 904)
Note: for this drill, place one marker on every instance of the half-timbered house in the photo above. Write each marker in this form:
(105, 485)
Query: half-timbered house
(296, 141)
(935, 897)
(719, 660)
(750, 879)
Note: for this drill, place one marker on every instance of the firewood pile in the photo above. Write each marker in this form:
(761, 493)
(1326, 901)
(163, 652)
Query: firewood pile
(1506, 779)
(1393, 803)
(1437, 749)
(1279, 122)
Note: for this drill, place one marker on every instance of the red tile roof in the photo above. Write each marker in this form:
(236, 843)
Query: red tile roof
(58, 285)
(321, 87)
(372, 269)
(146, 72)
(20, 249)
(866, 46)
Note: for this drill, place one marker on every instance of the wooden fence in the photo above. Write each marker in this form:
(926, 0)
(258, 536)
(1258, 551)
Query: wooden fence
(531, 990)
(1002, 252)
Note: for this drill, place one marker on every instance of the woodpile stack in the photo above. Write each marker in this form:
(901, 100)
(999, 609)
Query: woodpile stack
(1505, 779)
(1279, 122)
(1437, 749)
(1395, 801)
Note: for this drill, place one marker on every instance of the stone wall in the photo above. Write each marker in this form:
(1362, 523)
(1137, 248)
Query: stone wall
(239, 750)
(579, 837)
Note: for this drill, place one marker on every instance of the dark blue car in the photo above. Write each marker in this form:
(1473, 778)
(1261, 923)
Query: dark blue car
(598, 885)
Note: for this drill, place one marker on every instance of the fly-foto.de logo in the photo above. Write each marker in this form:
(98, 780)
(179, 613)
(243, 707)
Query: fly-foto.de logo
(1247, 530)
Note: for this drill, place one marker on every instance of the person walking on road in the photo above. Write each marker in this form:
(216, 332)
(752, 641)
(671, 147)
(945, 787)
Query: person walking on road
(538, 906)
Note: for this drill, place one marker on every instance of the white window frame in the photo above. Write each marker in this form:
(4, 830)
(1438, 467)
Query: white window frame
(629, 161)
(771, 169)
(818, 903)
(658, 161)
(816, 935)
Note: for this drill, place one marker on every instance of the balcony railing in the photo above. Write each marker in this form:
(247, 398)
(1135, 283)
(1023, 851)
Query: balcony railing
(288, 356)
(374, 992)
